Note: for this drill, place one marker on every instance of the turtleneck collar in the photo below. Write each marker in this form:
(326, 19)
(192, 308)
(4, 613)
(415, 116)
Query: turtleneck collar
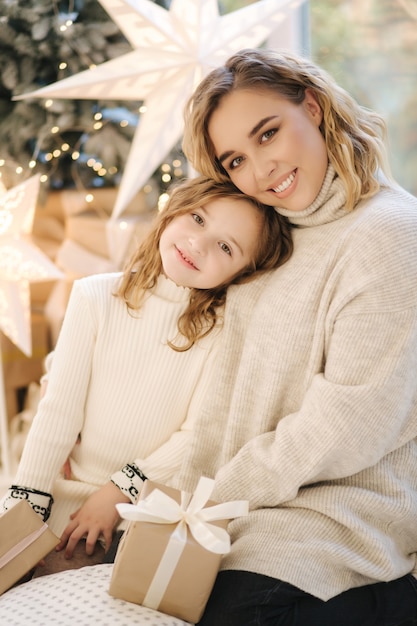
(327, 207)
(165, 288)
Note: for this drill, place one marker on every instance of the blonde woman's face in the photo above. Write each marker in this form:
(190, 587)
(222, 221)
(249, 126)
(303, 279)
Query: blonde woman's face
(272, 149)
(207, 247)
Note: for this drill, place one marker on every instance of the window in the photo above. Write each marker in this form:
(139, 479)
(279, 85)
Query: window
(370, 47)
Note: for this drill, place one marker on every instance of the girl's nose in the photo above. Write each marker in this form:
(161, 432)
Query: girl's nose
(198, 244)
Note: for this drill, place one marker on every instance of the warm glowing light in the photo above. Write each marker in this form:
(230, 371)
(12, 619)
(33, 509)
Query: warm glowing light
(89, 198)
(98, 125)
(166, 178)
(162, 200)
(55, 130)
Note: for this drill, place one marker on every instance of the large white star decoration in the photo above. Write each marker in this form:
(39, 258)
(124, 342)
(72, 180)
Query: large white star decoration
(172, 51)
(21, 262)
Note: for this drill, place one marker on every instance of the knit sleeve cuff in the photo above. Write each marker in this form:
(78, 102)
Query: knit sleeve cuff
(40, 501)
(129, 480)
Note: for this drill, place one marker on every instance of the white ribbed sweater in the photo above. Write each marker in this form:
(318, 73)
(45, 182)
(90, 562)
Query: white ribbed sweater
(314, 417)
(116, 381)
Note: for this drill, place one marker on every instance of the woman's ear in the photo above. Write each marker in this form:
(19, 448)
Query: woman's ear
(312, 106)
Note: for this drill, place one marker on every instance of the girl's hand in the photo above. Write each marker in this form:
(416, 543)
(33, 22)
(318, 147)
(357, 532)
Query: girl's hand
(96, 518)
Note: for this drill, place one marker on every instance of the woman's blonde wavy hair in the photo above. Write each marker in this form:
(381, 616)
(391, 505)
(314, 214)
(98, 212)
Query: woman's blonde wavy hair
(355, 136)
(202, 313)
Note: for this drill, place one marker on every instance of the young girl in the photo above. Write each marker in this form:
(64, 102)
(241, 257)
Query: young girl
(314, 419)
(134, 356)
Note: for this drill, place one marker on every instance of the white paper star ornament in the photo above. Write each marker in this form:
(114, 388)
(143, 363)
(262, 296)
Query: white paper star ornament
(17, 207)
(21, 262)
(173, 51)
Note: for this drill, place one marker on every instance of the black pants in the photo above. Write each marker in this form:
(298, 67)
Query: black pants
(247, 599)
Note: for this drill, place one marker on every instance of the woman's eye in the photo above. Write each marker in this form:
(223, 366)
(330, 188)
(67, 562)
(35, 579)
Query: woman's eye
(235, 163)
(225, 248)
(268, 134)
(197, 218)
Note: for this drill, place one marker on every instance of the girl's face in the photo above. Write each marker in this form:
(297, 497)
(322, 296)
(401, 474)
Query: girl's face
(209, 246)
(271, 148)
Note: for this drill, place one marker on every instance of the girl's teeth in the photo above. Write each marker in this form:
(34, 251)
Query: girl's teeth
(283, 186)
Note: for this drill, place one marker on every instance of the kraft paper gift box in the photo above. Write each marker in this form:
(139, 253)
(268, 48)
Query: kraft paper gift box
(20, 370)
(24, 540)
(170, 554)
(115, 239)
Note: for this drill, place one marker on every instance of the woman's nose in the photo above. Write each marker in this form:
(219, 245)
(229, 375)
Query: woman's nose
(263, 169)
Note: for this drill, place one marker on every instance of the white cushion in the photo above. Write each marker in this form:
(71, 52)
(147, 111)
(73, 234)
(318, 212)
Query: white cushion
(75, 597)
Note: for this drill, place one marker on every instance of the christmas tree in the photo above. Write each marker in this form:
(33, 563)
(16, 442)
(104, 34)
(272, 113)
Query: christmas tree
(73, 143)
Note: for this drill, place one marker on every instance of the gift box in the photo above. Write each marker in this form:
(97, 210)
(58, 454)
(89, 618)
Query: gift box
(56, 306)
(77, 262)
(111, 239)
(20, 370)
(24, 540)
(170, 554)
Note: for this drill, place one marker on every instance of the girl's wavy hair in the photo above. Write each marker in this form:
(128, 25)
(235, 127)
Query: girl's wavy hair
(355, 136)
(202, 313)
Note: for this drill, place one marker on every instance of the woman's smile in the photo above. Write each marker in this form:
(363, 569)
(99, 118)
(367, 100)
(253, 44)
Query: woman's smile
(273, 150)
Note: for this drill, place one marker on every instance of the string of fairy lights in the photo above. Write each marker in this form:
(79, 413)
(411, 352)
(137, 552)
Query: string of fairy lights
(55, 144)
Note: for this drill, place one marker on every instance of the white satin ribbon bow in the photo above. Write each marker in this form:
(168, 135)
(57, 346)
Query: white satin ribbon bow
(160, 508)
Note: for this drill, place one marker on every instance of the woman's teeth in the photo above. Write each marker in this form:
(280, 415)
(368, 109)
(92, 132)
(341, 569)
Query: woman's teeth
(283, 186)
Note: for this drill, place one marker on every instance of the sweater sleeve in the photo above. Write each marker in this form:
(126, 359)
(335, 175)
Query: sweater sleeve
(360, 405)
(60, 414)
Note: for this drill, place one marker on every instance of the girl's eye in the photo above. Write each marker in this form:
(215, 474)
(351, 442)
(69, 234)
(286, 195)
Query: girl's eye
(225, 248)
(268, 134)
(197, 218)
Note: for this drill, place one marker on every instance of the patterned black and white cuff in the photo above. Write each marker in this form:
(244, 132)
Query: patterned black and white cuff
(129, 480)
(40, 501)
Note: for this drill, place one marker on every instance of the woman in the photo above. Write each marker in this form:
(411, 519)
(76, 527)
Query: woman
(132, 359)
(314, 418)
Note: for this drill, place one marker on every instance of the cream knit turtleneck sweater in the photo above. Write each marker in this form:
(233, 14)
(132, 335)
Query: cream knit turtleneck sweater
(314, 416)
(115, 380)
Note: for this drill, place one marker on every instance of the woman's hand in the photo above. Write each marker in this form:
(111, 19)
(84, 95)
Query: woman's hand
(97, 517)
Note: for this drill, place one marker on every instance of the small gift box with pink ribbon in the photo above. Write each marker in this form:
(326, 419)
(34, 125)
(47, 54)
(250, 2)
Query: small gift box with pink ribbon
(170, 554)
(24, 540)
